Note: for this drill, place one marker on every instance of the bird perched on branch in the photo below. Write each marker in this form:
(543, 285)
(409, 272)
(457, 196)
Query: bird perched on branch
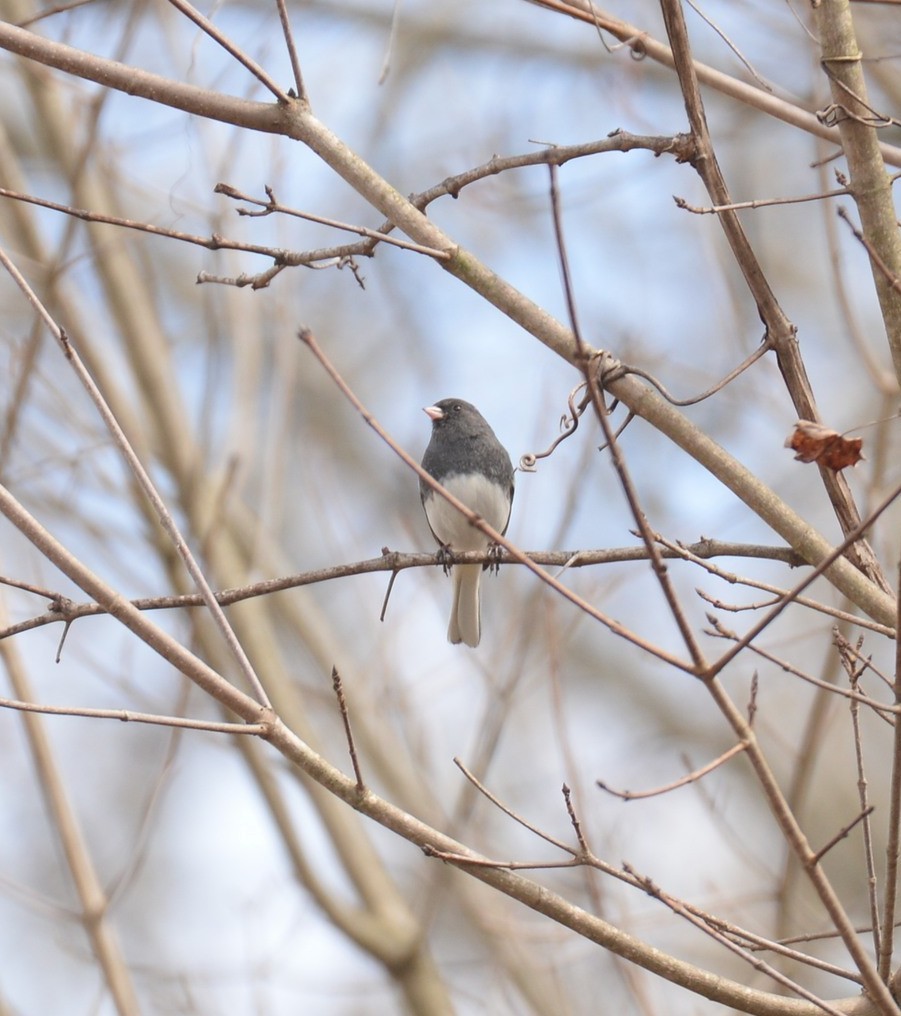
(465, 456)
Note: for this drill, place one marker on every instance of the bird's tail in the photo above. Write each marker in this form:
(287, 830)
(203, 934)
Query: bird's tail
(465, 623)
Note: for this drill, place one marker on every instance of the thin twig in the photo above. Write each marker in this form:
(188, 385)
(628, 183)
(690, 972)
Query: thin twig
(574, 819)
(718, 386)
(864, 663)
(692, 777)
(756, 943)
(292, 49)
(842, 833)
(880, 264)
(882, 710)
(752, 699)
(854, 673)
(778, 591)
(348, 732)
(130, 716)
(383, 612)
(679, 908)
(283, 257)
(466, 861)
(205, 25)
(485, 792)
(272, 206)
(738, 53)
(49, 12)
(738, 206)
(893, 833)
(568, 425)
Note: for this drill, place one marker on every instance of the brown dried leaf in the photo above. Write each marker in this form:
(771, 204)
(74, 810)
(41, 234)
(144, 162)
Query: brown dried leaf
(812, 442)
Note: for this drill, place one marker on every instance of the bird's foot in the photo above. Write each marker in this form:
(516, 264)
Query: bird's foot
(495, 554)
(445, 557)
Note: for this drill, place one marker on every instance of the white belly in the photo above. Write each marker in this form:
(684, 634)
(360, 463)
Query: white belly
(480, 495)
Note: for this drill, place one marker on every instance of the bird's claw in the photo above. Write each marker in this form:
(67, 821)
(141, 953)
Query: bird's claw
(495, 554)
(445, 557)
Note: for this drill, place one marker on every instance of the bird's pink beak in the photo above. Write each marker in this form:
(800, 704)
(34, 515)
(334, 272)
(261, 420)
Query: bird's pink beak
(433, 413)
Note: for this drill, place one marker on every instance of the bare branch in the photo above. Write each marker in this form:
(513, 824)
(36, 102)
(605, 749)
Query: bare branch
(683, 781)
(345, 719)
(130, 716)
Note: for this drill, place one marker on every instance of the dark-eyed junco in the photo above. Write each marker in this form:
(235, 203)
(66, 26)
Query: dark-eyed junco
(465, 456)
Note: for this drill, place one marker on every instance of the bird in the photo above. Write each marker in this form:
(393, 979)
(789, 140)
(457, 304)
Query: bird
(465, 456)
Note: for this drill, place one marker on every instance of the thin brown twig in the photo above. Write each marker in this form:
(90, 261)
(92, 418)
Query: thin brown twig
(207, 26)
(49, 12)
(873, 254)
(130, 716)
(467, 861)
(738, 206)
(272, 206)
(693, 400)
(835, 112)
(854, 672)
(778, 592)
(881, 709)
(283, 257)
(393, 578)
(865, 663)
(738, 608)
(843, 833)
(756, 943)
(44, 593)
(292, 50)
(893, 832)
(348, 732)
(738, 53)
(510, 813)
(568, 425)
(683, 781)
(679, 908)
(821, 936)
(556, 155)
(574, 820)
